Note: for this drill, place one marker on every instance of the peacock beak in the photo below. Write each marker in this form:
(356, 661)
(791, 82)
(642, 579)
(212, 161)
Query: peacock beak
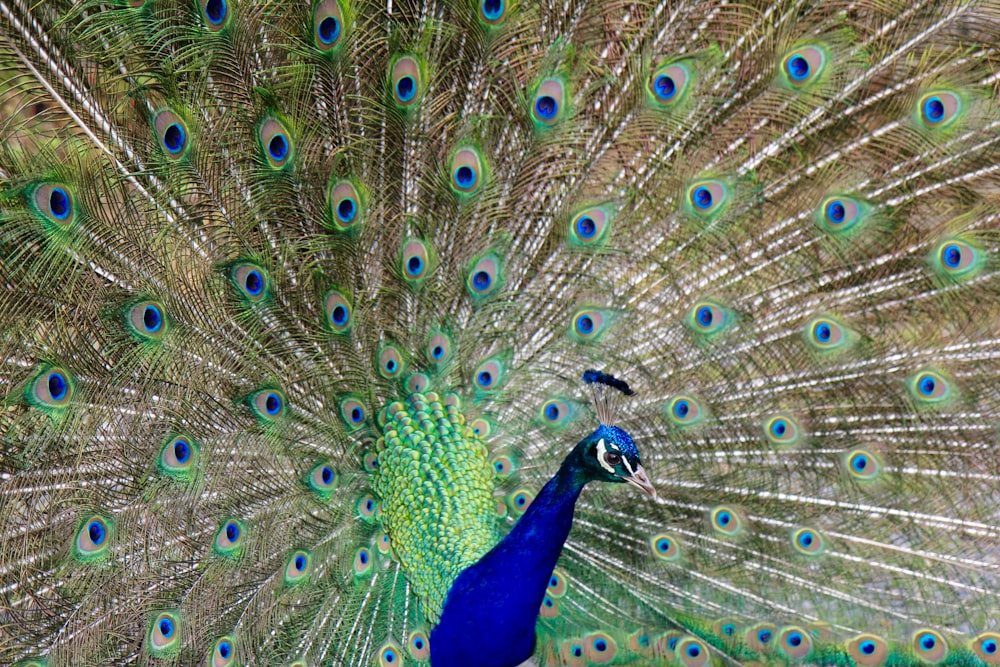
(639, 479)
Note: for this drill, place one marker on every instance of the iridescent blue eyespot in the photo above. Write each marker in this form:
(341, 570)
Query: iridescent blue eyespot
(868, 649)
(706, 199)
(164, 635)
(50, 389)
(215, 13)
(297, 568)
(276, 141)
(665, 547)
(59, 203)
(986, 647)
(862, 465)
(250, 279)
(727, 520)
(668, 85)
(803, 66)
(346, 204)
(684, 410)
(545, 107)
(489, 375)
(406, 79)
(389, 656)
(406, 88)
(939, 109)
(492, 10)
(328, 30)
(794, 643)
(223, 652)
(930, 388)
(692, 652)
(467, 171)
(550, 99)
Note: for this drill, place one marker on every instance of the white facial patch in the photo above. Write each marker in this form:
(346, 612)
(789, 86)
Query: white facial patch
(601, 451)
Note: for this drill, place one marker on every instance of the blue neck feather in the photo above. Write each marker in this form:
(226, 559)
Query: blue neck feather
(490, 612)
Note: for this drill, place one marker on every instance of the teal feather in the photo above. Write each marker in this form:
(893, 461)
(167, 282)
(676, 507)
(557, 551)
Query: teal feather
(295, 299)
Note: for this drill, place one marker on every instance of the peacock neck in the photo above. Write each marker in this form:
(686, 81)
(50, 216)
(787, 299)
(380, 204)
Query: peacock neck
(490, 612)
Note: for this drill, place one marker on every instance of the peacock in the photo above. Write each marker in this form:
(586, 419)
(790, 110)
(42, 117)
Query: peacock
(496, 332)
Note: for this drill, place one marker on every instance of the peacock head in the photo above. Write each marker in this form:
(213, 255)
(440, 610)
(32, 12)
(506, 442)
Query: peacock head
(609, 454)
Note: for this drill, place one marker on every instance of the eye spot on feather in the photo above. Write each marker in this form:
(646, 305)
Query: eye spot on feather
(467, 169)
(795, 643)
(223, 652)
(353, 413)
(406, 79)
(419, 645)
(939, 109)
(558, 584)
(665, 547)
(868, 650)
(215, 13)
(709, 318)
(808, 542)
(268, 405)
(298, 567)
(489, 375)
(781, 430)
(367, 507)
(485, 276)
(684, 410)
(172, 133)
(589, 324)
(804, 66)
(589, 227)
(328, 26)
(727, 521)
(929, 388)
(322, 479)
(839, 214)
(415, 262)
(957, 259)
(363, 562)
(338, 311)
(481, 427)
(518, 501)
(389, 655)
(503, 466)
(692, 652)
(177, 457)
(668, 85)
(986, 647)
(229, 539)
(825, 335)
(163, 638)
(601, 648)
(346, 205)
(550, 101)
(759, 637)
(492, 12)
(250, 279)
(92, 539)
(706, 199)
(390, 362)
(54, 203)
(549, 608)
(862, 465)
(929, 645)
(51, 388)
(276, 143)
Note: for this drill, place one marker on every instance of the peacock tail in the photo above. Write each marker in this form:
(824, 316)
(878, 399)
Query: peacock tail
(296, 298)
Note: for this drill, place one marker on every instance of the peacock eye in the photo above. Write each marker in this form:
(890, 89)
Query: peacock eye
(612, 458)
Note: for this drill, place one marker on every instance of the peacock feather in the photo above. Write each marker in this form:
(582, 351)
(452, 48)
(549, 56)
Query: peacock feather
(317, 320)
